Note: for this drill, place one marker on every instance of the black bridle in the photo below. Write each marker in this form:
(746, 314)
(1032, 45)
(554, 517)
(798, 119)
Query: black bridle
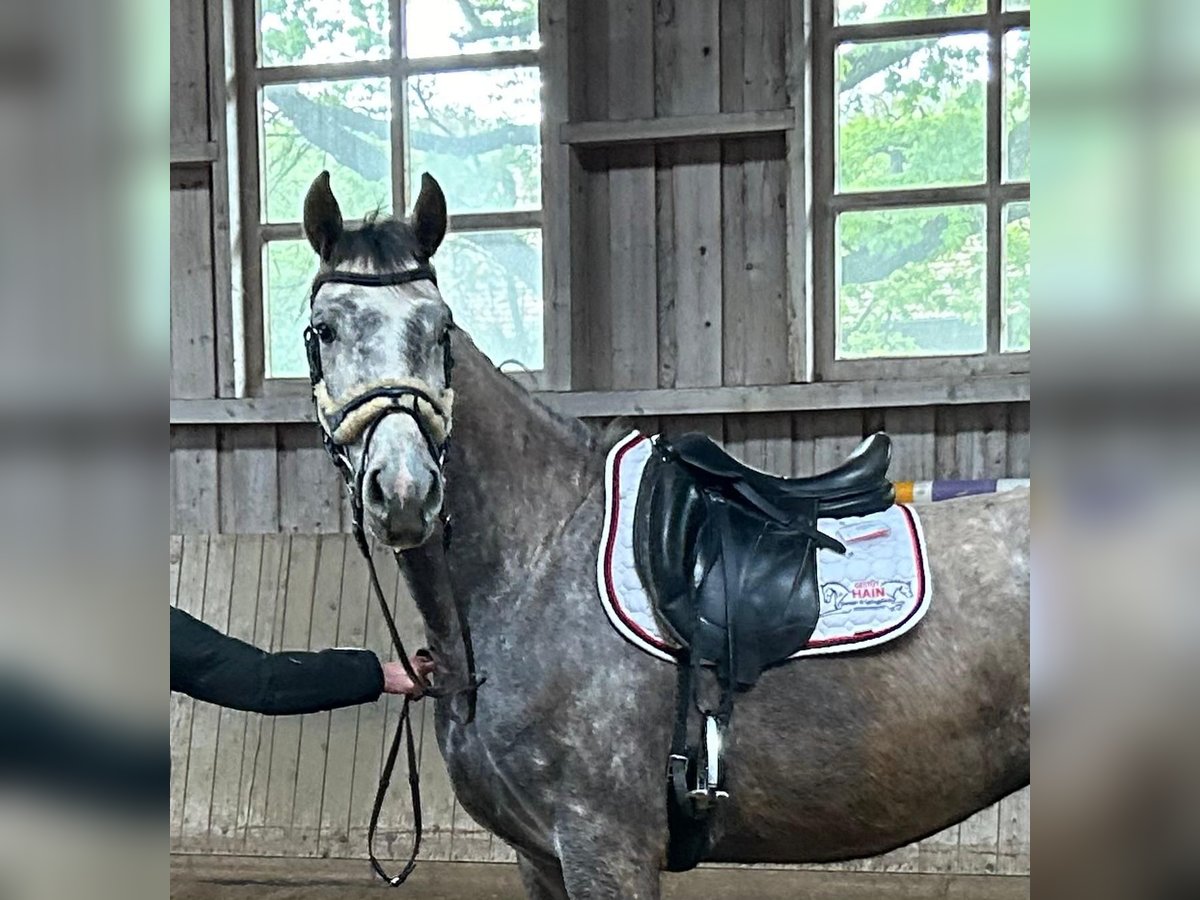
(430, 411)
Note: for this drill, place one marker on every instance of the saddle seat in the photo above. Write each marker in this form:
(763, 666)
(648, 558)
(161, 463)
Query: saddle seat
(841, 490)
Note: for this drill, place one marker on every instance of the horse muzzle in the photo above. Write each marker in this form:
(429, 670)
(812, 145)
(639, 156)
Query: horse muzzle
(401, 484)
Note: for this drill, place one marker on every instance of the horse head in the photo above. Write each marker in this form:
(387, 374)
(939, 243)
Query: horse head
(379, 358)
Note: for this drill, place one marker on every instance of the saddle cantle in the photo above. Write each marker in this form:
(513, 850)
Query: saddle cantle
(727, 554)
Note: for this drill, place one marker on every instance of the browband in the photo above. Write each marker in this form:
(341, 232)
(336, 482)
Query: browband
(423, 272)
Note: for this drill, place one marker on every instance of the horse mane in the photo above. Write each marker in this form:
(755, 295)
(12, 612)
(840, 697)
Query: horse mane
(382, 242)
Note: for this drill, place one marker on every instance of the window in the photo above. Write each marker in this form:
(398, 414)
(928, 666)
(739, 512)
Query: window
(377, 92)
(921, 186)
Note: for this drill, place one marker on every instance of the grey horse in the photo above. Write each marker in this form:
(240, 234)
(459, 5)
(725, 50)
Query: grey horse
(830, 758)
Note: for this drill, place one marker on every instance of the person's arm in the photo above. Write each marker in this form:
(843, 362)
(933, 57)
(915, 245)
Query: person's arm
(215, 667)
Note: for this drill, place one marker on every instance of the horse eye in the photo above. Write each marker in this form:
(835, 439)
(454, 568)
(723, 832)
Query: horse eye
(324, 333)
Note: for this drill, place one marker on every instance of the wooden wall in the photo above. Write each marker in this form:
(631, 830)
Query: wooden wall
(303, 785)
(681, 249)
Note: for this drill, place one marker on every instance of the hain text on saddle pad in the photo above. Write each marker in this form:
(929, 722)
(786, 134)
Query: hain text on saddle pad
(874, 593)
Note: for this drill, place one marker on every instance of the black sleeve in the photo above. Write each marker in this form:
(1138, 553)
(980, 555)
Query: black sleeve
(221, 669)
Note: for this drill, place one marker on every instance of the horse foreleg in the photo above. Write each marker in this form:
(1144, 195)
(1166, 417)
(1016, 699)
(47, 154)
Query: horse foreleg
(595, 867)
(542, 880)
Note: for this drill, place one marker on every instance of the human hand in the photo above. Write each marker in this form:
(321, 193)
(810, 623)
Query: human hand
(396, 680)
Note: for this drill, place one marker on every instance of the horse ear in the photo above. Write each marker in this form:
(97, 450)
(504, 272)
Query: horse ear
(322, 217)
(429, 215)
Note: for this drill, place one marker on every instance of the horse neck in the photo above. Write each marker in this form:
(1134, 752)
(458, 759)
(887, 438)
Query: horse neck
(514, 470)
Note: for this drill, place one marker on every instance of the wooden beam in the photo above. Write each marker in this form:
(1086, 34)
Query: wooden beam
(882, 394)
(668, 129)
(193, 154)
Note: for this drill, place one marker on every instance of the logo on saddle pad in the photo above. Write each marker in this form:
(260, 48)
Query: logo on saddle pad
(837, 597)
(878, 590)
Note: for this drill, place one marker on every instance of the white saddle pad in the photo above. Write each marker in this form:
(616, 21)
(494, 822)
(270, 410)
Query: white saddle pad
(874, 593)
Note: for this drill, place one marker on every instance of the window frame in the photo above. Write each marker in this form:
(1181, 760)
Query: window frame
(827, 203)
(247, 178)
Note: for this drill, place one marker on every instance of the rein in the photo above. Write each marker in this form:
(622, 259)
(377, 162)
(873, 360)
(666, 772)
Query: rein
(341, 423)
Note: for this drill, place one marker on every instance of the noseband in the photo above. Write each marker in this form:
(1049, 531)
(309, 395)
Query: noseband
(358, 413)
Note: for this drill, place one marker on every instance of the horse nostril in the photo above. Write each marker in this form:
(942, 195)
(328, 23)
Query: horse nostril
(374, 491)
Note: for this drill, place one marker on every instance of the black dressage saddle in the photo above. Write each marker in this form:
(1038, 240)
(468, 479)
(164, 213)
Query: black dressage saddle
(727, 554)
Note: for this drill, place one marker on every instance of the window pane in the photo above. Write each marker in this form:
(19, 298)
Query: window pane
(1016, 105)
(322, 31)
(1016, 4)
(493, 282)
(288, 268)
(445, 28)
(911, 113)
(1016, 278)
(890, 10)
(342, 126)
(478, 134)
(911, 282)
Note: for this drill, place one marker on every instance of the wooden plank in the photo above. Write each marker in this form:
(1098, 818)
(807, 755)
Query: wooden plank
(688, 81)
(591, 335)
(755, 200)
(341, 758)
(945, 454)
(912, 433)
(1018, 441)
(194, 498)
(201, 153)
(470, 841)
(980, 440)
(557, 169)
(632, 237)
(939, 852)
(1013, 847)
(260, 730)
(763, 441)
(666, 270)
(193, 564)
(836, 434)
(803, 444)
(285, 745)
(797, 61)
(202, 755)
(627, 131)
(175, 557)
(193, 328)
(222, 222)
(189, 72)
(249, 480)
(310, 491)
(224, 835)
(978, 842)
(314, 728)
(887, 392)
